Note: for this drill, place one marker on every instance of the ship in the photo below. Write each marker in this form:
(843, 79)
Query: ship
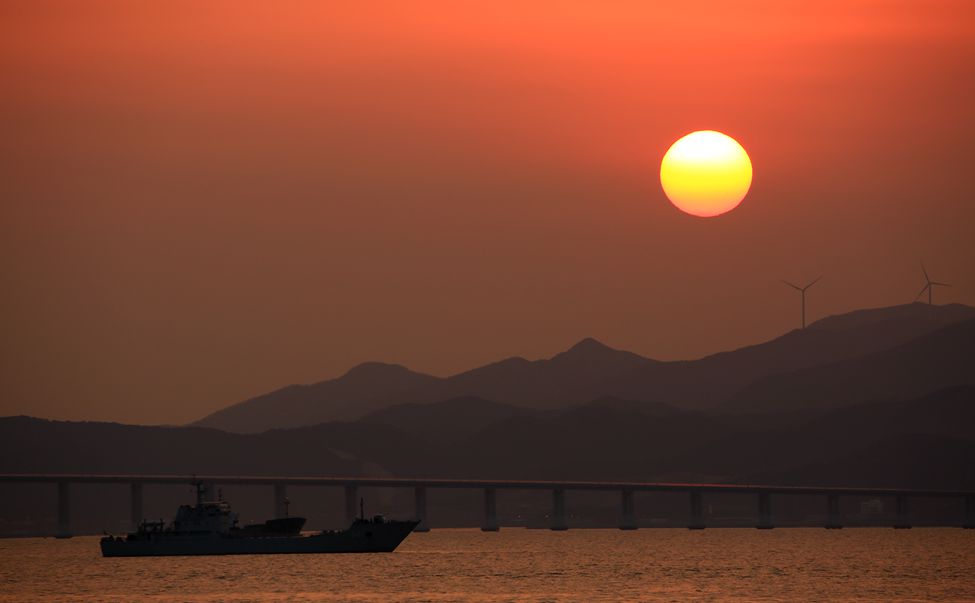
(210, 527)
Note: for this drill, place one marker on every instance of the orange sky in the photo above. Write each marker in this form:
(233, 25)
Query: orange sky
(203, 203)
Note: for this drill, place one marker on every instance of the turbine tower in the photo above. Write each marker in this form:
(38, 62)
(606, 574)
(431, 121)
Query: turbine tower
(802, 294)
(929, 286)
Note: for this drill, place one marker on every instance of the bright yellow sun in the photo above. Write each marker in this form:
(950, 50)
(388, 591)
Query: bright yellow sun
(706, 173)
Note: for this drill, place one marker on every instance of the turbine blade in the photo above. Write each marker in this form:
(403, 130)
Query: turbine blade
(921, 292)
(926, 277)
(814, 282)
(793, 286)
(940, 284)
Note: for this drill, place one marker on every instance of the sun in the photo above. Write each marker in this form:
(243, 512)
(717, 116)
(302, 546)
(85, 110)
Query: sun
(706, 173)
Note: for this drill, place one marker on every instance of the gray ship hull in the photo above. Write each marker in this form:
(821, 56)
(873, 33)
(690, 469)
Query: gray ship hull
(361, 537)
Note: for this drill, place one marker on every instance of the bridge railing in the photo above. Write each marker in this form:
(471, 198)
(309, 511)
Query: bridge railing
(351, 485)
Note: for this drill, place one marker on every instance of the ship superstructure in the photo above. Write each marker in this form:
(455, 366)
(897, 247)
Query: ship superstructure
(210, 527)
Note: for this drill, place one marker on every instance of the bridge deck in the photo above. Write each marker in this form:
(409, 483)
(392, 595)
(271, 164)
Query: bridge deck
(396, 482)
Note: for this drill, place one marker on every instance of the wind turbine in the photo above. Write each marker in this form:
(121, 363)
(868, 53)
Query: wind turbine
(802, 293)
(929, 285)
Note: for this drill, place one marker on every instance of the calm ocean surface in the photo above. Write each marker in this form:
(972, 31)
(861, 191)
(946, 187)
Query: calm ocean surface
(526, 565)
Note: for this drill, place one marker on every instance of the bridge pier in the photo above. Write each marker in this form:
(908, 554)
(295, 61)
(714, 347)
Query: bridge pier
(351, 496)
(558, 510)
(64, 510)
(697, 511)
(135, 505)
(960, 503)
(627, 513)
(833, 520)
(420, 506)
(490, 511)
(764, 511)
(280, 500)
(903, 521)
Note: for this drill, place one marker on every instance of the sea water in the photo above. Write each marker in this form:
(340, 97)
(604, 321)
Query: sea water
(869, 564)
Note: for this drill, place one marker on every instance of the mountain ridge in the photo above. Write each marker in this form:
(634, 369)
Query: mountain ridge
(590, 369)
(604, 439)
(327, 400)
(942, 358)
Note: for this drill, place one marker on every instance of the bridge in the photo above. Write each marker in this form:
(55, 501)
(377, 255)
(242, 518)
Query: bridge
(696, 493)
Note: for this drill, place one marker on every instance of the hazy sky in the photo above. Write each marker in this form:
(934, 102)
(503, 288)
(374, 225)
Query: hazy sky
(203, 201)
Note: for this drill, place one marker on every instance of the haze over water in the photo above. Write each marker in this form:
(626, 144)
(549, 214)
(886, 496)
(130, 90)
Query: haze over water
(525, 565)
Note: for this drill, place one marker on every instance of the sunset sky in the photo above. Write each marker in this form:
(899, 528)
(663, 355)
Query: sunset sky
(205, 201)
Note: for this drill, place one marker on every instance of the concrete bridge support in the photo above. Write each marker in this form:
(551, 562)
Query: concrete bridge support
(420, 506)
(903, 520)
(558, 510)
(64, 510)
(969, 513)
(765, 511)
(351, 504)
(697, 511)
(833, 520)
(135, 505)
(628, 515)
(490, 511)
(280, 500)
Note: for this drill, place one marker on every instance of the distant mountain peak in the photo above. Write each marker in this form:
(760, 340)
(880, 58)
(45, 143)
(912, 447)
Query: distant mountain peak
(590, 345)
(339, 398)
(592, 353)
(370, 369)
(591, 369)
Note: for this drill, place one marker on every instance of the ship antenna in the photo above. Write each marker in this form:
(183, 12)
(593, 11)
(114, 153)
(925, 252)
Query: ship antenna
(199, 490)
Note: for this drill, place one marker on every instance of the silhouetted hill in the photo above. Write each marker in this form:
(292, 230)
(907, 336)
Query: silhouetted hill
(897, 322)
(607, 439)
(711, 380)
(576, 375)
(448, 421)
(30, 445)
(617, 439)
(918, 460)
(612, 403)
(764, 444)
(349, 396)
(454, 437)
(602, 440)
(583, 372)
(591, 370)
(933, 361)
(380, 449)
